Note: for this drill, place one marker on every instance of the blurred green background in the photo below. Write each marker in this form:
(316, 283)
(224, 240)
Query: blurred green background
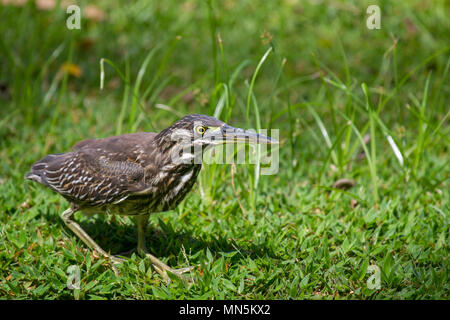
(367, 105)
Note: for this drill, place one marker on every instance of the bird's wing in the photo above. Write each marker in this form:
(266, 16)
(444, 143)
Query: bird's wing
(90, 176)
(116, 144)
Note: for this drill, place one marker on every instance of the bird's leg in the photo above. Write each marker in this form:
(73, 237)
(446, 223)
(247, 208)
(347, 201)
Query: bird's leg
(75, 227)
(159, 266)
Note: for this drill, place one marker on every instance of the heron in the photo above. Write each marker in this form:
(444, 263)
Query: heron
(135, 174)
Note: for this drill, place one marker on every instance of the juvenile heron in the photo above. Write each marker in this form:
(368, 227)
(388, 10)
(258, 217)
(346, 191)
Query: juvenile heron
(135, 174)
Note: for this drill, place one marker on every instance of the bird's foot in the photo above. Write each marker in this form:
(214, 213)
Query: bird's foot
(113, 261)
(164, 269)
(159, 266)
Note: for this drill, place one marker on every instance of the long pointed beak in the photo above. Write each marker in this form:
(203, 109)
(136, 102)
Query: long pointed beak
(229, 134)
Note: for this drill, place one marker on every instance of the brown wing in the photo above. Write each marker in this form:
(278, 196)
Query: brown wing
(84, 177)
(116, 144)
(97, 172)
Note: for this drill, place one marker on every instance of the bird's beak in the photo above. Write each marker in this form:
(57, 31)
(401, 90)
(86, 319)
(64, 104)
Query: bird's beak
(229, 134)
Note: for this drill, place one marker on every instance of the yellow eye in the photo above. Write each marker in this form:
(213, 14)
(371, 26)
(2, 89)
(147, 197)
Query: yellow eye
(200, 130)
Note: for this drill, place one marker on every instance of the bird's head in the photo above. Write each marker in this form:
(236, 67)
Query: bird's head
(200, 132)
(198, 129)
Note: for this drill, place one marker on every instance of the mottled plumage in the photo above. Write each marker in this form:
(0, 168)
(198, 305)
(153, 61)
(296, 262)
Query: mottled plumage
(125, 174)
(134, 174)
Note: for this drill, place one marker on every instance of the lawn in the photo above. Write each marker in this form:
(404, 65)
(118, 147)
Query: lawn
(367, 105)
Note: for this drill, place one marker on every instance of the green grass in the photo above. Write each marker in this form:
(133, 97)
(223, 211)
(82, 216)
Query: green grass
(368, 105)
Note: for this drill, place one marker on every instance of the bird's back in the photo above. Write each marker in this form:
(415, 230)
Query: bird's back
(117, 144)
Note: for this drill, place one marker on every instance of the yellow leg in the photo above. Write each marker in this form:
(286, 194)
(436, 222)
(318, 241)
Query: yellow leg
(159, 266)
(75, 227)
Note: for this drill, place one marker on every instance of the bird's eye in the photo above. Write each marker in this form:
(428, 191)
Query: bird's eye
(200, 130)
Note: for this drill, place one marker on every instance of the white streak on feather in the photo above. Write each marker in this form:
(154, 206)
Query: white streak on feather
(183, 181)
(120, 200)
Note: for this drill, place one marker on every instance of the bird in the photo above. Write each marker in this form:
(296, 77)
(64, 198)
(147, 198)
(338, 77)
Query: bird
(135, 174)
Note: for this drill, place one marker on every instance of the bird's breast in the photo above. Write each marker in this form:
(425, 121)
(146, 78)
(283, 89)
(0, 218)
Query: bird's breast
(177, 186)
(165, 191)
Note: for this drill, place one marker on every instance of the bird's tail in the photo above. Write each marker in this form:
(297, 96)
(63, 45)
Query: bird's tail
(37, 170)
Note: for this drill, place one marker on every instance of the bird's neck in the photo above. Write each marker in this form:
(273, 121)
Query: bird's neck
(177, 151)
